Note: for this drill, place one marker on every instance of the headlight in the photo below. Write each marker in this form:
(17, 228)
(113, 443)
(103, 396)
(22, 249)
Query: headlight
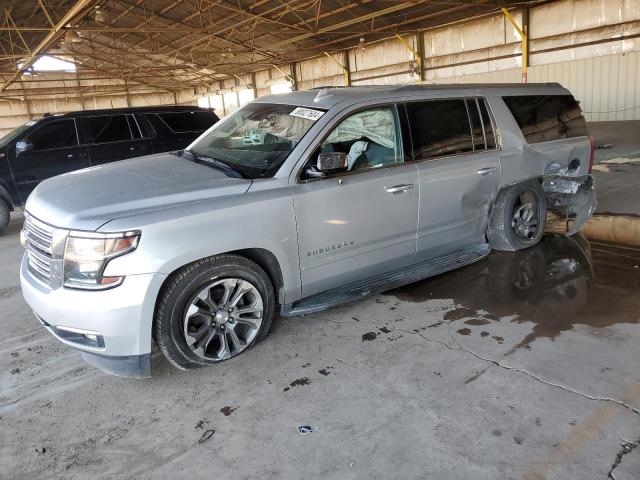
(86, 256)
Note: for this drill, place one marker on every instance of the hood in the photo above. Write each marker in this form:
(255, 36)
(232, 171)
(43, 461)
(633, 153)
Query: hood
(88, 198)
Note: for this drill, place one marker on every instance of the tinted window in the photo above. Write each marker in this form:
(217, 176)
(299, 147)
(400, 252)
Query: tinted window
(133, 126)
(108, 128)
(489, 134)
(188, 121)
(55, 134)
(439, 127)
(476, 125)
(547, 117)
(145, 126)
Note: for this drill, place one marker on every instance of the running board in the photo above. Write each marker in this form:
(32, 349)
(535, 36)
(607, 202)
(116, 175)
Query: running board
(386, 281)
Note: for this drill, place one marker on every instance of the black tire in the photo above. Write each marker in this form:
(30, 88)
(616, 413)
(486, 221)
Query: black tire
(179, 291)
(501, 232)
(5, 216)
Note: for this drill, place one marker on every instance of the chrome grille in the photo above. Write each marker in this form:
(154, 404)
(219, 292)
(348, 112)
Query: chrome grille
(40, 246)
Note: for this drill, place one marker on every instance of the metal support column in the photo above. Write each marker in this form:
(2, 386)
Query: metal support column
(416, 56)
(345, 69)
(421, 55)
(523, 32)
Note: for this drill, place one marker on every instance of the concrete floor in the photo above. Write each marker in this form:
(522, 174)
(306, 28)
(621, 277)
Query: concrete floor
(617, 183)
(522, 366)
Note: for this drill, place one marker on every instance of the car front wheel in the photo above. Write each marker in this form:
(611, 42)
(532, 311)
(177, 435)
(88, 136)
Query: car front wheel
(212, 310)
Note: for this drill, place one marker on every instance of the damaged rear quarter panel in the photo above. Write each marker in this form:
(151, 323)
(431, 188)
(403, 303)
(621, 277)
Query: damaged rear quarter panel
(561, 165)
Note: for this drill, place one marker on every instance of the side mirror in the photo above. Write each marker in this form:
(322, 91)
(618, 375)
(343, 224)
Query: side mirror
(23, 146)
(333, 161)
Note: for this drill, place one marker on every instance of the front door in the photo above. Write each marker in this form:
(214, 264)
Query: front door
(53, 150)
(459, 170)
(359, 222)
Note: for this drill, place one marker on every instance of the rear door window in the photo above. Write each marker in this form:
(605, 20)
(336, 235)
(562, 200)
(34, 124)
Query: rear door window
(547, 117)
(55, 134)
(439, 128)
(188, 121)
(108, 128)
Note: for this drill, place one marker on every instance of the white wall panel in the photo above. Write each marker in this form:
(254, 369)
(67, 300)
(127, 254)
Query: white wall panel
(606, 86)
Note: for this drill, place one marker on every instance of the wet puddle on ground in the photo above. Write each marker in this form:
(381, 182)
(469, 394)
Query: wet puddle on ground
(560, 283)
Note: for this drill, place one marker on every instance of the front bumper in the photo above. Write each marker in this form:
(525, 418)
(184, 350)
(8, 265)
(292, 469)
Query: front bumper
(111, 327)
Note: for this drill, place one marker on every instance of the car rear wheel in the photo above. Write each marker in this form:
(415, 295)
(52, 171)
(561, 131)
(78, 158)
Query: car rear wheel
(5, 215)
(518, 217)
(212, 310)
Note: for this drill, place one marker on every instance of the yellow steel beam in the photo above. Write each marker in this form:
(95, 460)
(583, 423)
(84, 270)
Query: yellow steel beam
(245, 83)
(416, 56)
(286, 75)
(345, 70)
(523, 36)
(75, 13)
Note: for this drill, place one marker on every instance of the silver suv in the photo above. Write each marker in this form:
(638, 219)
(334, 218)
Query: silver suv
(301, 201)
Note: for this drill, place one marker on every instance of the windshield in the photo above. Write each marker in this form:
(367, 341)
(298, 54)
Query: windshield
(258, 138)
(13, 134)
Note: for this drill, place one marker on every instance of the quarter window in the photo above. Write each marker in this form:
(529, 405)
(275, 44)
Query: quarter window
(109, 128)
(55, 134)
(439, 128)
(547, 117)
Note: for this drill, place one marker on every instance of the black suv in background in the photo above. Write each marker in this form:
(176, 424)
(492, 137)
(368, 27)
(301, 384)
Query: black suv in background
(56, 144)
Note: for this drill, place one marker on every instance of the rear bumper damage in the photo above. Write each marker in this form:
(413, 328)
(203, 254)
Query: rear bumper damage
(572, 199)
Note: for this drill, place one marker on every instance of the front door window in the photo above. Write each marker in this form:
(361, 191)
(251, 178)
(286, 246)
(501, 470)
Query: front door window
(369, 138)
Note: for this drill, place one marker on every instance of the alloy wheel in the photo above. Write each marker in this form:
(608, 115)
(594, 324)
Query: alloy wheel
(223, 319)
(525, 222)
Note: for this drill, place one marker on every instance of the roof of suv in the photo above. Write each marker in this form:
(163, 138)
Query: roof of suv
(330, 96)
(157, 108)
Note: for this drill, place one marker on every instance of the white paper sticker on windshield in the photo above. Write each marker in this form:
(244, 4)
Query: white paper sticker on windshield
(308, 113)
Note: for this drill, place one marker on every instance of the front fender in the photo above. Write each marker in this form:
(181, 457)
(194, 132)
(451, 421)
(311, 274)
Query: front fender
(176, 237)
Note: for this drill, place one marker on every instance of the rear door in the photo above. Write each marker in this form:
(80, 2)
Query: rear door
(362, 222)
(56, 150)
(458, 168)
(114, 137)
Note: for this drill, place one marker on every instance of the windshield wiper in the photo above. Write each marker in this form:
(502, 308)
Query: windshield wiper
(212, 162)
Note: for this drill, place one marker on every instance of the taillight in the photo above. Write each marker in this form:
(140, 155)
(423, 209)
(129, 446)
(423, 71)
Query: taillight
(593, 152)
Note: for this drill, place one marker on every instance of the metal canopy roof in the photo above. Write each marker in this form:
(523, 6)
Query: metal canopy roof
(171, 44)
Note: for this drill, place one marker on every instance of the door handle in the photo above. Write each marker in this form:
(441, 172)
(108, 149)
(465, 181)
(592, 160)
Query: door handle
(487, 170)
(132, 148)
(399, 188)
(70, 155)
